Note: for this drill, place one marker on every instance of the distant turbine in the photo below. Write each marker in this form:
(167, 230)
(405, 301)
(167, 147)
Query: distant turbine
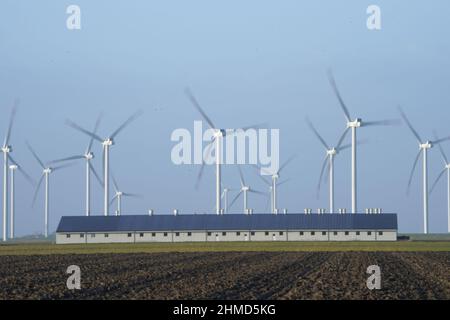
(329, 158)
(353, 125)
(118, 196)
(46, 170)
(12, 169)
(224, 196)
(106, 143)
(244, 191)
(217, 139)
(88, 156)
(423, 148)
(6, 149)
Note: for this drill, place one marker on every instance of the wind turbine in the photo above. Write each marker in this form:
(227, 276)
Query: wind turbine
(245, 189)
(331, 153)
(217, 139)
(273, 185)
(118, 196)
(353, 124)
(446, 168)
(224, 196)
(15, 166)
(423, 149)
(46, 170)
(88, 156)
(106, 143)
(7, 149)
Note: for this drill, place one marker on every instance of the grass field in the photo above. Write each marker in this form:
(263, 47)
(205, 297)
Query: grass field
(50, 248)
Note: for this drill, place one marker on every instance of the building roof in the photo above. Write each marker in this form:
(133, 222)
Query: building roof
(228, 222)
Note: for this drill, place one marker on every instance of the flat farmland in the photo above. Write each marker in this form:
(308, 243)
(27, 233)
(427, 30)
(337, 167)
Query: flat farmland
(227, 275)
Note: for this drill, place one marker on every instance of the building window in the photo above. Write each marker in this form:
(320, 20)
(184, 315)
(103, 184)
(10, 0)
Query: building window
(252, 233)
(165, 234)
(189, 234)
(141, 235)
(301, 233)
(92, 235)
(224, 233)
(129, 235)
(177, 234)
(369, 233)
(335, 233)
(313, 233)
(280, 233)
(106, 235)
(357, 233)
(209, 233)
(153, 234)
(324, 233)
(67, 235)
(380, 233)
(267, 233)
(346, 233)
(238, 233)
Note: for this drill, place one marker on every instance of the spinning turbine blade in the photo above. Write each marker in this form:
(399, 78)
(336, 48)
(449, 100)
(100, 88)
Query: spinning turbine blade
(286, 163)
(387, 122)
(437, 179)
(11, 121)
(341, 139)
(37, 190)
(112, 200)
(67, 159)
(62, 166)
(116, 186)
(126, 123)
(35, 155)
(26, 175)
(95, 174)
(338, 95)
(241, 177)
(234, 199)
(440, 140)
(77, 127)
(197, 106)
(412, 170)
(325, 162)
(97, 123)
(133, 195)
(414, 132)
(257, 192)
(322, 140)
(200, 173)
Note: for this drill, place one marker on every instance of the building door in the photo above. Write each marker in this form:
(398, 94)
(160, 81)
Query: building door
(274, 238)
(217, 237)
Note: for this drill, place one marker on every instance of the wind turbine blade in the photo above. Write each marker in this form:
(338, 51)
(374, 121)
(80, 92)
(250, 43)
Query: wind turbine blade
(35, 155)
(116, 186)
(313, 129)
(412, 170)
(234, 199)
(112, 200)
(405, 118)
(200, 173)
(441, 150)
(133, 195)
(241, 176)
(95, 173)
(11, 121)
(62, 166)
(341, 139)
(338, 95)
(437, 179)
(126, 123)
(324, 164)
(97, 123)
(194, 101)
(438, 141)
(283, 182)
(67, 159)
(232, 132)
(258, 169)
(77, 127)
(37, 190)
(349, 145)
(387, 122)
(257, 192)
(286, 163)
(24, 173)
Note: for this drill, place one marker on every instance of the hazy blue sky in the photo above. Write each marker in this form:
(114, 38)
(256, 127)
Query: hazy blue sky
(248, 62)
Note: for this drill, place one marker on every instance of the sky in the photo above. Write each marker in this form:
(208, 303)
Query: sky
(248, 62)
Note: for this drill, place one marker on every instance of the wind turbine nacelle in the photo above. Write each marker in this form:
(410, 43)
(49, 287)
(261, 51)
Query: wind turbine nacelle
(275, 176)
(13, 167)
(89, 156)
(7, 149)
(426, 145)
(354, 124)
(47, 170)
(108, 142)
(332, 152)
(245, 188)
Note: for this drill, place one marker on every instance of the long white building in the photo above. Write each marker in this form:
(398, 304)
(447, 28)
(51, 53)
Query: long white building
(229, 227)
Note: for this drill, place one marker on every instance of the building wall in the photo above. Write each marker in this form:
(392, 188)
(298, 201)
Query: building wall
(212, 236)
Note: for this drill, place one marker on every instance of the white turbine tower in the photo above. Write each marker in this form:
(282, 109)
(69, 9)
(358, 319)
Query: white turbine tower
(88, 156)
(445, 169)
(245, 189)
(219, 134)
(423, 149)
(118, 196)
(15, 166)
(331, 153)
(353, 124)
(224, 196)
(7, 149)
(106, 143)
(46, 170)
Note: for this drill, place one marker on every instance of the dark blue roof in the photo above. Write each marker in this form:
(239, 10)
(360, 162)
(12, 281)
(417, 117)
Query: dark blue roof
(228, 222)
